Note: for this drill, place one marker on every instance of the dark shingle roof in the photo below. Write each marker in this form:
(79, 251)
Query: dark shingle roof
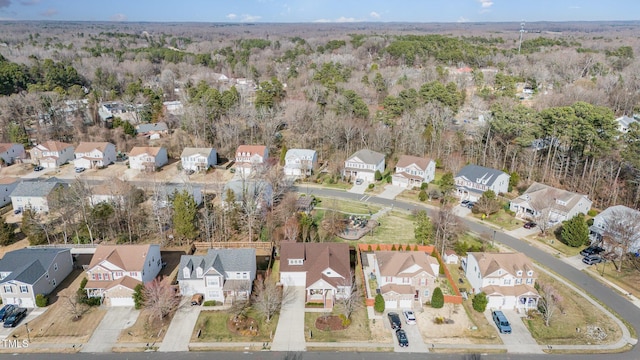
(28, 265)
(223, 260)
(480, 174)
(34, 188)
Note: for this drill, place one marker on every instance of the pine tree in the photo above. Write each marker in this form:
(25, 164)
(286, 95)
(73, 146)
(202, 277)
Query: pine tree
(378, 305)
(184, 215)
(575, 231)
(437, 299)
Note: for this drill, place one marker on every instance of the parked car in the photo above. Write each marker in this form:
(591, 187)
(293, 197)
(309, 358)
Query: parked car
(591, 250)
(464, 203)
(15, 317)
(38, 168)
(80, 169)
(6, 311)
(394, 320)
(17, 211)
(529, 225)
(471, 204)
(402, 338)
(196, 299)
(359, 181)
(189, 171)
(409, 317)
(501, 322)
(592, 259)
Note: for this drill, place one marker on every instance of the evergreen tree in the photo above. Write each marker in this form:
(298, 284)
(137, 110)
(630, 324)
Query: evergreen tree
(184, 215)
(437, 299)
(7, 232)
(446, 183)
(480, 302)
(378, 304)
(424, 228)
(575, 231)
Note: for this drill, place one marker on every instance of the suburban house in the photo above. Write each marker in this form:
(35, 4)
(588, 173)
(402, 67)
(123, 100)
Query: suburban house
(173, 107)
(94, 154)
(115, 271)
(607, 224)
(450, 257)
(10, 152)
(113, 191)
(198, 159)
(51, 154)
(549, 204)
(250, 157)
(251, 191)
(405, 277)
(34, 195)
(323, 269)
(163, 194)
(413, 171)
(300, 162)
(473, 180)
(27, 272)
(624, 123)
(7, 185)
(363, 165)
(508, 279)
(152, 131)
(223, 275)
(109, 110)
(147, 158)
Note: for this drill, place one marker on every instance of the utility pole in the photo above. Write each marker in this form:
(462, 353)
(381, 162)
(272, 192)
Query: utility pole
(521, 32)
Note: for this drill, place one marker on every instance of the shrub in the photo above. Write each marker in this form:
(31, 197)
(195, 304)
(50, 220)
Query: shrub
(369, 248)
(439, 320)
(345, 321)
(378, 175)
(393, 247)
(592, 212)
(93, 301)
(138, 297)
(211, 303)
(371, 186)
(41, 300)
(480, 302)
(437, 299)
(378, 305)
(422, 195)
(424, 186)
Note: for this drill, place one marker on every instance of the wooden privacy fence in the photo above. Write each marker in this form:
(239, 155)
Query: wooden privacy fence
(258, 245)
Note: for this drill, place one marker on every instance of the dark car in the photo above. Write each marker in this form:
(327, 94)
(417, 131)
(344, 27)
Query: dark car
(464, 203)
(529, 225)
(591, 250)
(6, 311)
(394, 320)
(38, 168)
(402, 338)
(17, 211)
(592, 259)
(15, 317)
(471, 204)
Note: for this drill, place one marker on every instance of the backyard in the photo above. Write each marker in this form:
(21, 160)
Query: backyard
(394, 227)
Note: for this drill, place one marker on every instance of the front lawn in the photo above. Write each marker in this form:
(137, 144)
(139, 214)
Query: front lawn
(213, 326)
(349, 207)
(357, 331)
(553, 241)
(503, 220)
(396, 227)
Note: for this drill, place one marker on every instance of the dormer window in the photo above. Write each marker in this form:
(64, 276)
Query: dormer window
(199, 272)
(185, 273)
(530, 273)
(296, 261)
(519, 273)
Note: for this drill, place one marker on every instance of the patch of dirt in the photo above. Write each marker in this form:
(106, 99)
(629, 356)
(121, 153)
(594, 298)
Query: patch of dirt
(244, 326)
(332, 323)
(452, 331)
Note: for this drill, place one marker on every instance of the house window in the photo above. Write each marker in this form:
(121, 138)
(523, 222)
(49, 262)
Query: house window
(46, 275)
(8, 289)
(423, 282)
(199, 272)
(118, 274)
(342, 290)
(53, 282)
(185, 273)
(405, 280)
(315, 292)
(507, 281)
(426, 293)
(245, 275)
(24, 289)
(55, 267)
(213, 294)
(529, 281)
(519, 273)
(529, 273)
(388, 279)
(133, 274)
(212, 281)
(99, 276)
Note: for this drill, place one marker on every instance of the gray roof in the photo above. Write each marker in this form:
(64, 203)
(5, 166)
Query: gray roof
(34, 188)
(249, 187)
(480, 174)
(222, 260)
(28, 265)
(625, 120)
(368, 156)
(300, 153)
(145, 128)
(189, 151)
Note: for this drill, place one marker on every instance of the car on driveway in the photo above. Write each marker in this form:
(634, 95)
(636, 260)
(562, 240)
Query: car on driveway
(464, 203)
(409, 317)
(80, 169)
(403, 341)
(38, 168)
(359, 181)
(15, 317)
(592, 259)
(591, 250)
(6, 311)
(394, 320)
(501, 322)
(529, 225)
(17, 211)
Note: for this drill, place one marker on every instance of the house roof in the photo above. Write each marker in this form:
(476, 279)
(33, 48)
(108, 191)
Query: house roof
(318, 257)
(511, 262)
(299, 153)
(397, 288)
(480, 174)
(517, 290)
(29, 264)
(618, 210)
(537, 193)
(222, 260)
(141, 150)
(368, 156)
(85, 147)
(394, 263)
(626, 120)
(126, 281)
(145, 128)
(252, 149)
(53, 146)
(34, 188)
(407, 160)
(4, 147)
(190, 151)
(126, 257)
(251, 188)
(6, 180)
(115, 187)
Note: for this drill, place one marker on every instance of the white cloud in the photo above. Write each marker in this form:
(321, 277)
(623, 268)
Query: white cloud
(462, 19)
(232, 16)
(374, 15)
(485, 3)
(250, 18)
(341, 19)
(119, 17)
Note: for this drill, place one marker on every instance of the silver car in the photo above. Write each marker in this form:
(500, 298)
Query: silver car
(409, 317)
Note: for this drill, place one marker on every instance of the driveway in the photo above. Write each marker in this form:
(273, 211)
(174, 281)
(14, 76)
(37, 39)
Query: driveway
(31, 315)
(178, 334)
(290, 331)
(359, 189)
(416, 343)
(576, 262)
(106, 334)
(390, 192)
(520, 339)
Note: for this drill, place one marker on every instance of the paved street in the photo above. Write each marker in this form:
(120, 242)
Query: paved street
(106, 334)
(181, 328)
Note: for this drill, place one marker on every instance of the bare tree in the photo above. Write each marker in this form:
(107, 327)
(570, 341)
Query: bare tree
(550, 301)
(268, 297)
(74, 307)
(622, 231)
(349, 297)
(160, 298)
(447, 227)
(543, 206)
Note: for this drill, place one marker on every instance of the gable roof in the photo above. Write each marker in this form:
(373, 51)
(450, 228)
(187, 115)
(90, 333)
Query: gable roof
(189, 151)
(317, 258)
(7, 180)
(626, 120)
(4, 147)
(126, 257)
(249, 188)
(29, 264)
(53, 146)
(252, 149)
(511, 262)
(368, 156)
(222, 260)
(141, 150)
(145, 128)
(480, 174)
(618, 210)
(407, 160)
(299, 153)
(85, 147)
(35, 188)
(393, 263)
(542, 191)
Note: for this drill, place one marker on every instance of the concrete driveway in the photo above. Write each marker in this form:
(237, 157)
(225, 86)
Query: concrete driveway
(290, 331)
(178, 334)
(106, 334)
(359, 189)
(32, 314)
(520, 339)
(390, 192)
(576, 262)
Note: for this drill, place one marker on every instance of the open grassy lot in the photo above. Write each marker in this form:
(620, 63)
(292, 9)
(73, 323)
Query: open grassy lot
(503, 220)
(552, 240)
(350, 207)
(395, 227)
(213, 327)
(357, 331)
(570, 325)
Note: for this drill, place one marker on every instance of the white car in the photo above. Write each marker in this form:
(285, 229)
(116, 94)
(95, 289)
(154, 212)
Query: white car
(409, 317)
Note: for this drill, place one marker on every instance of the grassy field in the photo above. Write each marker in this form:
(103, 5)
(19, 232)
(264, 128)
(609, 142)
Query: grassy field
(395, 227)
(628, 278)
(503, 220)
(213, 327)
(351, 207)
(551, 240)
(357, 331)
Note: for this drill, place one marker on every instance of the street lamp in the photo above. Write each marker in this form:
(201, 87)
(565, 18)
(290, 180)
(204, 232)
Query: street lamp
(494, 238)
(26, 325)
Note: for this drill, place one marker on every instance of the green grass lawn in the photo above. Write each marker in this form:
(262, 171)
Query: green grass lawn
(351, 207)
(395, 227)
(213, 327)
(357, 331)
(503, 220)
(551, 240)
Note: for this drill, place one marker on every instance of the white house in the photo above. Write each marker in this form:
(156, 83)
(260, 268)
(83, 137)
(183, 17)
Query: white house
(617, 228)
(322, 268)
(405, 277)
(10, 152)
(450, 257)
(223, 275)
(413, 171)
(508, 279)
(473, 180)
(7, 185)
(115, 271)
(300, 162)
(624, 123)
(198, 159)
(34, 195)
(147, 158)
(546, 203)
(250, 158)
(94, 154)
(52, 154)
(27, 272)
(363, 164)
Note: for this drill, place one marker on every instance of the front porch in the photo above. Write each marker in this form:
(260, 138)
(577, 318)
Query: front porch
(321, 297)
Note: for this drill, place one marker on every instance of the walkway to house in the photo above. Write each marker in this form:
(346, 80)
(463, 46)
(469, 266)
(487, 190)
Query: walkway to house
(106, 334)
(290, 331)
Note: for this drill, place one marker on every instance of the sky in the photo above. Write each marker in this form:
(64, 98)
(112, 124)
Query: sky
(307, 11)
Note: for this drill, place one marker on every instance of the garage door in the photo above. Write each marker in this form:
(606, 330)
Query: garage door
(293, 278)
(406, 304)
(391, 304)
(28, 303)
(495, 302)
(122, 301)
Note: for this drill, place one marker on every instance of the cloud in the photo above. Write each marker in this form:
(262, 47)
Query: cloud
(49, 12)
(231, 16)
(5, 3)
(118, 17)
(29, 2)
(485, 3)
(462, 19)
(250, 18)
(341, 19)
(374, 15)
